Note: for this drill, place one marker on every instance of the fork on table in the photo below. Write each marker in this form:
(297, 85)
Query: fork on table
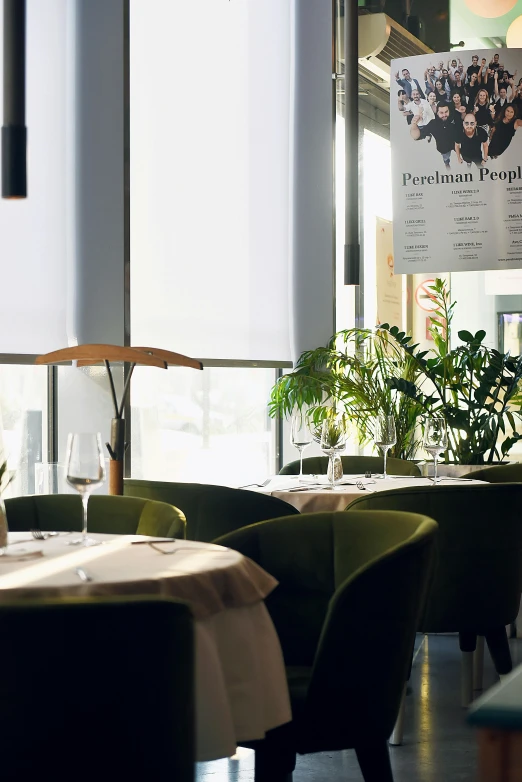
(260, 485)
(360, 485)
(38, 534)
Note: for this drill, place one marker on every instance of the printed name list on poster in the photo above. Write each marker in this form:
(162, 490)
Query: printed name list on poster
(456, 142)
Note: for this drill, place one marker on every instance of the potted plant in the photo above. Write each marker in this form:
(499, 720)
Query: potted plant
(475, 388)
(351, 375)
(4, 482)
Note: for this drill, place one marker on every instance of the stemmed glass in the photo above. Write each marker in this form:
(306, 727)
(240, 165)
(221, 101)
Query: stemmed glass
(435, 440)
(384, 435)
(333, 441)
(85, 472)
(300, 436)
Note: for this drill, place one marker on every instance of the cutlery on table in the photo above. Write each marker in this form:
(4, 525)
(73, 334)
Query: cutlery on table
(80, 572)
(260, 485)
(193, 549)
(39, 535)
(362, 487)
(447, 478)
(305, 488)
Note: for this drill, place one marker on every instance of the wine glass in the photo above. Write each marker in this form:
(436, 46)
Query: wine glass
(85, 472)
(435, 440)
(333, 441)
(300, 436)
(384, 435)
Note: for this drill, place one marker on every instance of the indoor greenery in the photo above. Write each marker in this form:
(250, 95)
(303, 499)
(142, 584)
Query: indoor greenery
(362, 372)
(350, 375)
(475, 388)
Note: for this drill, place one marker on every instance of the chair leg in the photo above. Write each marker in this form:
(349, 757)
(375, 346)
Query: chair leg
(269, 769)
(466, 679)
(398, 731)
(498, 646)
(478, 663)
(275, 755)
(374, 761)
(468, 644)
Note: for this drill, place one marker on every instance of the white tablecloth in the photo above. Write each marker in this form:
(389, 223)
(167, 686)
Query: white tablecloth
(241, 687)
(319, 498)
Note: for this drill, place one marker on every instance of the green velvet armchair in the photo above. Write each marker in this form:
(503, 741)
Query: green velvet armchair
(210, 510)
(317, 465)
(110, 514)
(502, 473)
(346, 581)
(477, 581)
(97, 689)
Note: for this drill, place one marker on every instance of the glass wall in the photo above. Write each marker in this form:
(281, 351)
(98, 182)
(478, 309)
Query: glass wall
(209, 227)
(23, 424)
(209, 427)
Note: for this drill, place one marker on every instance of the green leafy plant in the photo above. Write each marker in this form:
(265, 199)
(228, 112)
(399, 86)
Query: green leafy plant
(5, 478)
(475, 388)
(351, 375)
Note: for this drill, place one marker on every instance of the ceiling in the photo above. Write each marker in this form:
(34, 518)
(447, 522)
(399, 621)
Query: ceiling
(476, 31)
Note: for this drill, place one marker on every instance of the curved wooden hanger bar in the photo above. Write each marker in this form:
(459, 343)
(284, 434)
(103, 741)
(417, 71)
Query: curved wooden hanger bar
(93, 354)
(172, 359)
(89, 355)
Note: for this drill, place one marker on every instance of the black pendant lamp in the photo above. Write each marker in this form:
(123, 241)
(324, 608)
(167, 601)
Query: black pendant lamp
(14, 131)
(352, 259)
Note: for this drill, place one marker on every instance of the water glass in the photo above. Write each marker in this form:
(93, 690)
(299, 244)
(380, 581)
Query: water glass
(301, 436)
(85, 469)
(333, 441)
(435, 440)
(384, 435)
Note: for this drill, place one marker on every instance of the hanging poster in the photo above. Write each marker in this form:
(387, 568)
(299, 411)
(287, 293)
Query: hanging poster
(456, 143)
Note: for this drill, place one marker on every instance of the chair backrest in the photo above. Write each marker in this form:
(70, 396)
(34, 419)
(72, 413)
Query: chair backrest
(110, 514)
(98, 689)
(478, 577)
(346, 581)
(210, 510)
(318, 465)
(502, 473)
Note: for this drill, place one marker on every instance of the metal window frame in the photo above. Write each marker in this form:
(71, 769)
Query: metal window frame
(27, 359)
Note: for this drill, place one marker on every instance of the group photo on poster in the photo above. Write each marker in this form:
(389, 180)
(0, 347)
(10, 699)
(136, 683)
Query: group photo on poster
(456, 160)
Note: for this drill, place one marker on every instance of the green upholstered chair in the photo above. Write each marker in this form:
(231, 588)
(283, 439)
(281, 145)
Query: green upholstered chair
(346, 581)
(503, 473)
(317, 465)
(110, 514)
(210, 510)
(97, 689)
(476, 585)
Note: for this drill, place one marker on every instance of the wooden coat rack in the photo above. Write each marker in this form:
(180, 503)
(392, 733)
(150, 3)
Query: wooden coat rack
(93, 355)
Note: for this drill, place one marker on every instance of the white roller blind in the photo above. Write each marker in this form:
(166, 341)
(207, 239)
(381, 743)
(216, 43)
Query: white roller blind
(32, 231)
(209, 136)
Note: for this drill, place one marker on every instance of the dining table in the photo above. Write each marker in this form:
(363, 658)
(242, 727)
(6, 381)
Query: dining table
(313, 493)
(240, 682)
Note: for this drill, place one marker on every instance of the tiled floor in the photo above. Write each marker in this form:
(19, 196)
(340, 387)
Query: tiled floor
(438, 744)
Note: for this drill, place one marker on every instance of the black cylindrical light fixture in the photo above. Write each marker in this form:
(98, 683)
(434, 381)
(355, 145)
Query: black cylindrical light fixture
(14, 131)
(351, 144)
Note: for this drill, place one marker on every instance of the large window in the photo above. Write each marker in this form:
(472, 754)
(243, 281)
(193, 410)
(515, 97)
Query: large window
(209, 427)
(209, 226)
(23, 424)
(210, 177)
